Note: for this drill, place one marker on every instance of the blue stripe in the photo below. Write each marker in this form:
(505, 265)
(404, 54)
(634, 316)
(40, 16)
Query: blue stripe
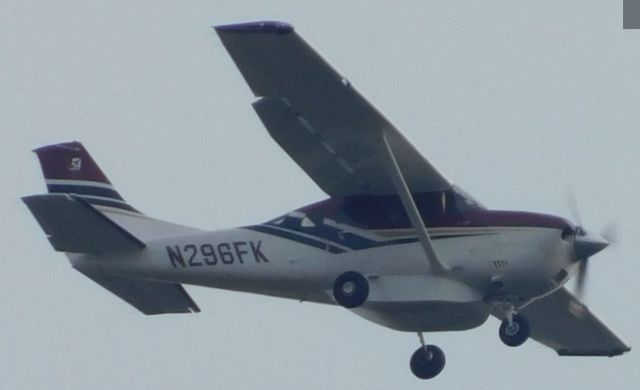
(327, 241)
(338, 236)
(328, 235)
(84, 190)
(296, 237)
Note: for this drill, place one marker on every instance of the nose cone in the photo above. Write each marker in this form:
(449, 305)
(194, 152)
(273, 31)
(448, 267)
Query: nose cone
(587, 245)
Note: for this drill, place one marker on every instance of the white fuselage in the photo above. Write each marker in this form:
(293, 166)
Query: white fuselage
(489, 264)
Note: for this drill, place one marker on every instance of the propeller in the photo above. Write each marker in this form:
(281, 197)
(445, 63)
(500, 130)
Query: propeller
(587, 244)
(581, 278)
(611, 233)
(574, 210)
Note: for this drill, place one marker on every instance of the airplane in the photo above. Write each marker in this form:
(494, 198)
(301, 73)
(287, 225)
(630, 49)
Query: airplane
(395, 242)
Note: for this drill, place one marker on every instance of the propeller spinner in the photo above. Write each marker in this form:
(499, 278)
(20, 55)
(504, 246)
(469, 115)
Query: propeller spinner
(587, 244)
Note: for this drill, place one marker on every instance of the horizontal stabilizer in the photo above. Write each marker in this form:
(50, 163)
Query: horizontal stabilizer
(73, 225)
(147, 296)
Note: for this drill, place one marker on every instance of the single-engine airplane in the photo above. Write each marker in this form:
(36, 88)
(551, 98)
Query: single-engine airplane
(396, 242)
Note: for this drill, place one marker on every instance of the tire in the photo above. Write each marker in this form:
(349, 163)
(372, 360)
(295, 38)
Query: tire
(351, 289)
(427, 363)
(517, 335)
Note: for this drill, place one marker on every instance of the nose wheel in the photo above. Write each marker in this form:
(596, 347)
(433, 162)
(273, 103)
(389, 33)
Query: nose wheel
(427, 361)
(514, 331)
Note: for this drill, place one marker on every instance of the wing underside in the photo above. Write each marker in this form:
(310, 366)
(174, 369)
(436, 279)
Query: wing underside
(334, 134)
(561, 322)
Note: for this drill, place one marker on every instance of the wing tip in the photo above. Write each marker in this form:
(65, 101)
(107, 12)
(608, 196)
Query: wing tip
(605, 353)
(266, 26)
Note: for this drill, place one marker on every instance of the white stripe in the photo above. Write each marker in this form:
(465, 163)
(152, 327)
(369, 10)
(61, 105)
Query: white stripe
(82, 183)
(286, 101)
(102, 198)
(305, 123)
(344, 164)
(327, 146)
(353, 230)
(116, 210)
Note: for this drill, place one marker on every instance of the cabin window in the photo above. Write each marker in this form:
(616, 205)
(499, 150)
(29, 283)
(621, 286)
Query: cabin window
(307, 223)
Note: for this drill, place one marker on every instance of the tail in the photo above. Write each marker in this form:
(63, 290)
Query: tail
(83, 212)
(69, 169)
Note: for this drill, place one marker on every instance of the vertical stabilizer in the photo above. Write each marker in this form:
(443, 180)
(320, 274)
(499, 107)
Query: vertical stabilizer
(69, 169)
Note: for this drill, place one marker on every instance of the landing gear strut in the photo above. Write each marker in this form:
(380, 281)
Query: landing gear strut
(427, 361)
(514, 330)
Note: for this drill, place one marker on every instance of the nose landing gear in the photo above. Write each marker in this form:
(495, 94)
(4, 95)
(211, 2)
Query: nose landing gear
(514, 330)
(427, 361)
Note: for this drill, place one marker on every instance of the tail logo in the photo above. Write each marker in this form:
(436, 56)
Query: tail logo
(76, 164)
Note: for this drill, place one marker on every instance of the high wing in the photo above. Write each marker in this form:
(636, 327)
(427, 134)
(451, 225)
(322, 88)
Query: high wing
(319, 119)
(561, 322)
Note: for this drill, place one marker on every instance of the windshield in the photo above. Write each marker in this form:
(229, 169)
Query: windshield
(462, 200)
(388, 212)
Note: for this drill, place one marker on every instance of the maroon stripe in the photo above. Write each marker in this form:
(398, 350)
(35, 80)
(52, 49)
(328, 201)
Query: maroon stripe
(516, 219)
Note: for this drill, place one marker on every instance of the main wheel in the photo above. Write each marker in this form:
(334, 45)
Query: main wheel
(427, 362)
(351, 289)
(515, 334)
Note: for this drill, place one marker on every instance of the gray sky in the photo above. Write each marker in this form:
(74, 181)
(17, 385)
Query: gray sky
(514, 101)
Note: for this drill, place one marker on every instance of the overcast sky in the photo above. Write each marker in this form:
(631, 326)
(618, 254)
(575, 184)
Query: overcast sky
(514, 101)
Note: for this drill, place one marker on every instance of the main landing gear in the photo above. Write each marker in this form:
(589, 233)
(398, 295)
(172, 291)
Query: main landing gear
(427, 361)
(351, 289)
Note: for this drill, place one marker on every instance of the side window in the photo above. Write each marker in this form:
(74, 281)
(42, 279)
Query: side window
(307, 223)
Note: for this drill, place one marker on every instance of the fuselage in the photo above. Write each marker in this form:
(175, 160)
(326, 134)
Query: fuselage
(493, 254)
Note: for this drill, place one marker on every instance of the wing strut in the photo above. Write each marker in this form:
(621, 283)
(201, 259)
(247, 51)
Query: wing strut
(412, 211)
